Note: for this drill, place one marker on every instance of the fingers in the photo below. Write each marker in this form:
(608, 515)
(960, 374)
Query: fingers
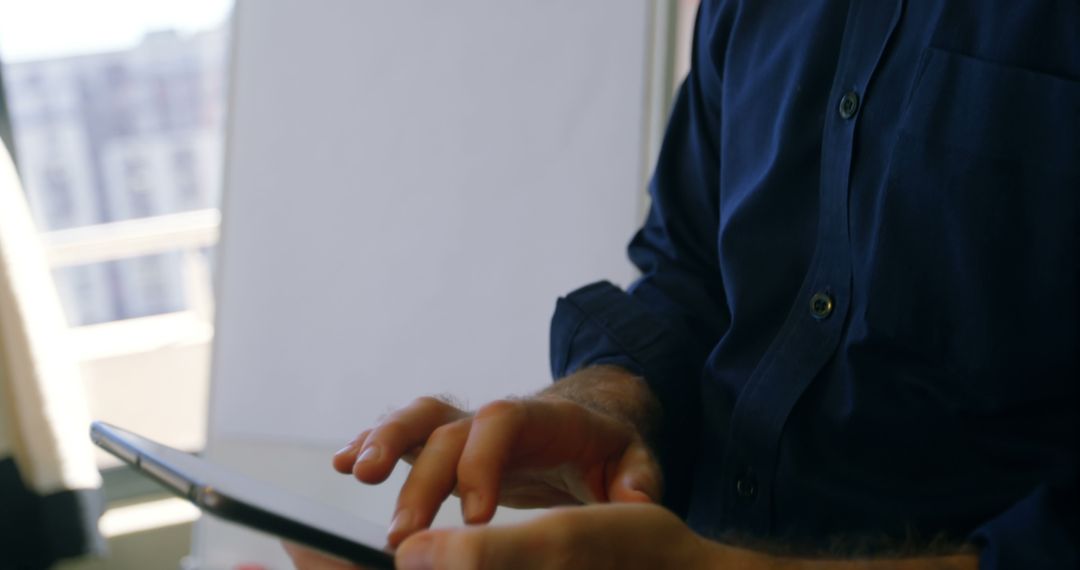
(430, 482)
(397, 435)
(637, 477)
(552, 451)
(345, 458)
(528, 435)
(495, 431)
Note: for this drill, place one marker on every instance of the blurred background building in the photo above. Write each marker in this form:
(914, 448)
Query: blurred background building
(113, 136)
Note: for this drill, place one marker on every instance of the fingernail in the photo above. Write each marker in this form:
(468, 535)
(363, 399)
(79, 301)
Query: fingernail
(346, 449)
(403, 522)
(370, 454)
(470, 507)
(636, 485)
(418, 554)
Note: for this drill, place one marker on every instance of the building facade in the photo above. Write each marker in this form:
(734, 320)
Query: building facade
(113, 136)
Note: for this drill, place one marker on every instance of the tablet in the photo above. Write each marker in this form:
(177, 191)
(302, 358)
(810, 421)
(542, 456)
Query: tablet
(246, 501)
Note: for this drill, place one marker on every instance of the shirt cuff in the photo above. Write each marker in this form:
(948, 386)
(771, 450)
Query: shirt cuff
(602, 324)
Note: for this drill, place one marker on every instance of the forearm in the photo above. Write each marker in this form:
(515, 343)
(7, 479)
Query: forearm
(614, 392)
(723, 555)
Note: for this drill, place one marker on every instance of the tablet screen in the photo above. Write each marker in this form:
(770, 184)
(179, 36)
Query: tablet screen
(190, 476)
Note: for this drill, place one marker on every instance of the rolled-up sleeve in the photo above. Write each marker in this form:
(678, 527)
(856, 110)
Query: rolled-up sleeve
(602, 324)
(665, 324)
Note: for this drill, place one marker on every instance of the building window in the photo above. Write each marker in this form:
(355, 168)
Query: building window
(186, 177)
(140, 191)
(58, 199)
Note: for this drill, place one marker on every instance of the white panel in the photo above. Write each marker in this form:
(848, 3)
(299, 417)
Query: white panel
(410, 185)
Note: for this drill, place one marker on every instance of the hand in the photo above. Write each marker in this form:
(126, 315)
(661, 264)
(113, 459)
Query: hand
(625, 536)
(605, 536)
(535, 452)
(600, 536)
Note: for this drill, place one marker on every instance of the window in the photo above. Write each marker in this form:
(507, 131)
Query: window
(57, 190)
(117, 124)
(85, 294)
(139, 191)
(186, 177)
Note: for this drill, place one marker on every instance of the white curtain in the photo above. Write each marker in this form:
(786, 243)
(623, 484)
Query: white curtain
(50, 496)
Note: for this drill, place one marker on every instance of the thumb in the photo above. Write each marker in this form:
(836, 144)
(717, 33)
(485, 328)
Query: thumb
(637, 477)
(466, 548)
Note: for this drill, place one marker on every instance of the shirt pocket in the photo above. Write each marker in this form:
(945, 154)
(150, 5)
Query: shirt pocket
(974, 273)
(995, 110)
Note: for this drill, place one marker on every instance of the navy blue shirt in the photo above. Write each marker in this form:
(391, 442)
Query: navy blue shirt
(859, 292)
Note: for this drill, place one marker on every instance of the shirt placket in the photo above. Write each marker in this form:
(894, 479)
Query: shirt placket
(814, 325)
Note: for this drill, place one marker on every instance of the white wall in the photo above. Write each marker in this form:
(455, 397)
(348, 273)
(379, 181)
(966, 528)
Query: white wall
(409, 187)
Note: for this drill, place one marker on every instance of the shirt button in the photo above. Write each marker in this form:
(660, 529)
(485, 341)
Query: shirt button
(849, 105)
(746, 486)
(821, 305)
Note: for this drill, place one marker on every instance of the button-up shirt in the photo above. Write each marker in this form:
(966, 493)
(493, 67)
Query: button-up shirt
(859, 294)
